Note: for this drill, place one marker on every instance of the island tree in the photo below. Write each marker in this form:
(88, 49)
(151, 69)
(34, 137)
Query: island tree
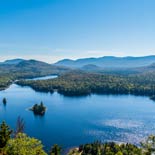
(4, 101)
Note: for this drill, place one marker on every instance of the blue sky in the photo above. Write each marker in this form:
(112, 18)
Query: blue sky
(51, 30)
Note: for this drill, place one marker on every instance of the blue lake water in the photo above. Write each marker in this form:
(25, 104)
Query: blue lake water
(44, 78)
(70, 121)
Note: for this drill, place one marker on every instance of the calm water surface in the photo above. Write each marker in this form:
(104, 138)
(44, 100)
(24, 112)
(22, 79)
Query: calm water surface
(70, 121)
(44, 78)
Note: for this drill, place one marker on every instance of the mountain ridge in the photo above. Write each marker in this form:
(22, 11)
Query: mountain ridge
(12, 61)
(109, 62)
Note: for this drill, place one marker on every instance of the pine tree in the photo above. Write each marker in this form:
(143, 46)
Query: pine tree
(5, 134)
(4, 101)
(55, 150)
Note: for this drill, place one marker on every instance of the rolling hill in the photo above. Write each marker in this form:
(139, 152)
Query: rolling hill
(29, 68)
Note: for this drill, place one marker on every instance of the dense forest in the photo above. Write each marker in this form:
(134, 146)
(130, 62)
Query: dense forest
(18, 143)
(5, 82)
(111, 148)
(81, 83)
(76, 82)
(26, 69)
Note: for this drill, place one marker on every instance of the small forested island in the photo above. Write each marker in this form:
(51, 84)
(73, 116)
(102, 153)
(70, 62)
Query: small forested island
(38, 109)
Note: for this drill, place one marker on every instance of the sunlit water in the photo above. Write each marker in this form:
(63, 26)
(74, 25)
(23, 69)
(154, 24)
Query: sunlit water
(44, 78)
(70, 121)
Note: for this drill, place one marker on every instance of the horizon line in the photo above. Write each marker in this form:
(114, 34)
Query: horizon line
(74, 59)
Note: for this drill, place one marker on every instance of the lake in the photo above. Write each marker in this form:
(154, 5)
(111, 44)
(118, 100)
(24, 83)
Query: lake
(70, 121)
(44, 77)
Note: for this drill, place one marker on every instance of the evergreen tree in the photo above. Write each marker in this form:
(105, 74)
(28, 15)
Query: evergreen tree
(4, 101)
(55, 150)
(5, 134)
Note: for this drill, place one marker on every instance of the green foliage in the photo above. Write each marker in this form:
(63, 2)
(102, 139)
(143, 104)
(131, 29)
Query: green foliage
(39, 109)
(55, 150)
(24, 145)
(80, 83)
(5, 134)
(119, 153)
(111, 148)
(5, 81)
(26, 69)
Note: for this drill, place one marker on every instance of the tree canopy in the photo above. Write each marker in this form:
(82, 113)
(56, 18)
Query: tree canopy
(80, 83)
(5, 134)
(24, 145)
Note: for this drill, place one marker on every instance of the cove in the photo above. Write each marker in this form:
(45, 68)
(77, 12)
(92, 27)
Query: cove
(71, 121)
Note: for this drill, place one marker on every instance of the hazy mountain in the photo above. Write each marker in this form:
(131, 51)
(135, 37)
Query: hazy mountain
(32, 64)
(30, 68)
(12, 61)
(121, 71)
(38, 66)
(150, 68)
(91, 67)
(109, 62)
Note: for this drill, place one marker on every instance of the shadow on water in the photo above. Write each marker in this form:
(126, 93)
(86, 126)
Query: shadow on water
(42, 117)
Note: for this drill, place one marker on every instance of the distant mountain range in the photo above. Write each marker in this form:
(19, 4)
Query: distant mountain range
(29, 68)
(109, 65)
(108, 62)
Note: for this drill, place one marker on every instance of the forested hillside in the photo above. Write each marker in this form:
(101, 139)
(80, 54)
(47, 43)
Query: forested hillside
(11, 71)
(81, 83)
(30, 68)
